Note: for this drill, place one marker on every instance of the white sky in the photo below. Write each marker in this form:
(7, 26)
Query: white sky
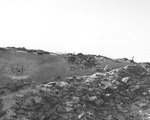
(113, 28)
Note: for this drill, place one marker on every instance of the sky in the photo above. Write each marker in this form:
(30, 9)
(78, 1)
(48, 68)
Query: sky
(112, 28)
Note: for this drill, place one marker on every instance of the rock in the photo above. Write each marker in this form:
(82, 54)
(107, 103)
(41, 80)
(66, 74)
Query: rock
(92, 98)
(106, 84)
(99, 101)
(94, 76)
(60, 109)
(62, 84)
(125, 79)
(89, 80)
(106, 68)
(68, 109)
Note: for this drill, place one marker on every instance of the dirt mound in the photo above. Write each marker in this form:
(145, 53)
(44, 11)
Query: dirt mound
(119, 94)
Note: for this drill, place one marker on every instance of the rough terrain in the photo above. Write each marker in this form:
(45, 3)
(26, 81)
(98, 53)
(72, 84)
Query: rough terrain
(38, 85)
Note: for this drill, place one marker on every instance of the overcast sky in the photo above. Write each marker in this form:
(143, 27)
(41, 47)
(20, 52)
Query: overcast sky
(113, 28)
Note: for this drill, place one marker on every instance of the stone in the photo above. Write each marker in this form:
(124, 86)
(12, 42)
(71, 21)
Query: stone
(125, 79)
(92, 98)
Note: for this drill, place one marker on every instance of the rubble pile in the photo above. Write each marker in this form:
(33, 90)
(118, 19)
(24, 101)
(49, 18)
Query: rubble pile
(80, 59)
(120, 94)
(15, 85)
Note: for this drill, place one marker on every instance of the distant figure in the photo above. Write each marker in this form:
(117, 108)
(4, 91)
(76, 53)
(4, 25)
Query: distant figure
(132, 59)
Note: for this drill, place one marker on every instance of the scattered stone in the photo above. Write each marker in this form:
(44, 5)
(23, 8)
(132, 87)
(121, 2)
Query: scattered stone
(125, 79)
(62, 84)
(92, 98)
(119, 94)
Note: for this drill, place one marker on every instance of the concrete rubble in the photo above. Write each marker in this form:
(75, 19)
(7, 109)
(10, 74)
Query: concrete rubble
(119, 94)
